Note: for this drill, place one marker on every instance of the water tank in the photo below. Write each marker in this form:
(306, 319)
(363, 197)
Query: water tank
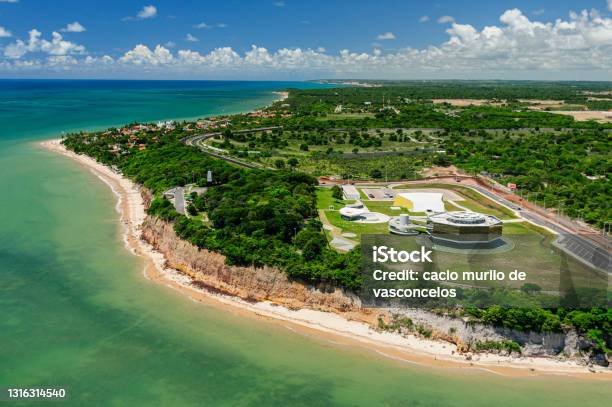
(404, 219)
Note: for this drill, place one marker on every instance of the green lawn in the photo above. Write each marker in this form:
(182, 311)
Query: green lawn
(325, 199)
(450, 207)
(384, 207)
(354, 227)
(524, 228)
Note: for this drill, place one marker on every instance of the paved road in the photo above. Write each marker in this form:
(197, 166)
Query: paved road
(197, 141)
(574, 244)
(179, 200)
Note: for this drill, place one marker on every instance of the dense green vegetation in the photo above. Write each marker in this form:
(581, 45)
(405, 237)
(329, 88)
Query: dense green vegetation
(566, 170)
(257, 217)
(553, 159)
(511, 91)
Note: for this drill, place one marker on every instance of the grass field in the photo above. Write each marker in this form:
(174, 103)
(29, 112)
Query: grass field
(325, 199)
(354, 227)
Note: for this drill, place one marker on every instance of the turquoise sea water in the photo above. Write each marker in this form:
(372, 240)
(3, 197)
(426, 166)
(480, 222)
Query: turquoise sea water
(76, 311)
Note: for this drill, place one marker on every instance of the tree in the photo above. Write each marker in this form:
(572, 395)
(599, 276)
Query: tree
(304, 147)
(191, 209)
(279, 163)
(376, 173)
(337, 192)
(293, 162)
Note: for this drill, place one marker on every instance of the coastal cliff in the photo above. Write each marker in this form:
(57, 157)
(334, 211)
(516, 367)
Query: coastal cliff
(208, 270)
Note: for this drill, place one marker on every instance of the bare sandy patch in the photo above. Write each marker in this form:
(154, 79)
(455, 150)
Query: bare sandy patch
(584, 115)
(469, 102)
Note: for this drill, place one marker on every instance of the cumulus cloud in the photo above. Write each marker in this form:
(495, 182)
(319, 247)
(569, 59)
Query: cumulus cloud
(4, 33)
(579, 46)
(279, 3)
(191, 38)
(424, 19)
(386, 36)
(75, 27)
(57, 46)
(145, 12)
(446, 19)
(9, 1)
(221, 25)
(202, 25)
(142, 55)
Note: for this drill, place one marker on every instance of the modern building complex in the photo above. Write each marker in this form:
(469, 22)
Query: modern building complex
(420, 201)
(465, 227)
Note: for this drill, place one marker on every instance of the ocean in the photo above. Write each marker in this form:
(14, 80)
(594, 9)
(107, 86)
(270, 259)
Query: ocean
(77, 312)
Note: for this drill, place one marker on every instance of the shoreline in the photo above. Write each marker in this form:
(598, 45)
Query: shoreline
(329, 327)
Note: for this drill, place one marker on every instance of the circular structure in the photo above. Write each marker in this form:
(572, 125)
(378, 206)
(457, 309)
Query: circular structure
(465, 227)
(373, 217)
(401, 225)
(466, 218)
(359, 213)
(354, 211)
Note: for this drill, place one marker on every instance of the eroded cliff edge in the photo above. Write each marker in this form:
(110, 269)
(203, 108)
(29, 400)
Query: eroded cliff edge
(209, 271)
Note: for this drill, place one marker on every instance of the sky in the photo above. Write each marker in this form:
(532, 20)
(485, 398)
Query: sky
(296, 40)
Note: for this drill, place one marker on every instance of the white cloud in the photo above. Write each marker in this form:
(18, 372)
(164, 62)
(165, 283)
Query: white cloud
(57, 46)
(577, 47)
(206, 25)
(446, 19)
(4, 33)
(147, 12)
(386, 36)
(170, 44)
(191, 38)
(9, 1)
(142, 55)
(610, 5)
(424, 19)
(279, 3)
(75, 27)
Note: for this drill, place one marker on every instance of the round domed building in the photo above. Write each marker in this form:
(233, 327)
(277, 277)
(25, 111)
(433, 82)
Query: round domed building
(464, 227)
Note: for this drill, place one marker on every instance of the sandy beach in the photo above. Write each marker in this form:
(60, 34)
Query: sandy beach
(281, 96)
(321, 326)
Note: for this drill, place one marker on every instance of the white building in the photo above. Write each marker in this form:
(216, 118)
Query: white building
(420, 201)
(354, 211)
